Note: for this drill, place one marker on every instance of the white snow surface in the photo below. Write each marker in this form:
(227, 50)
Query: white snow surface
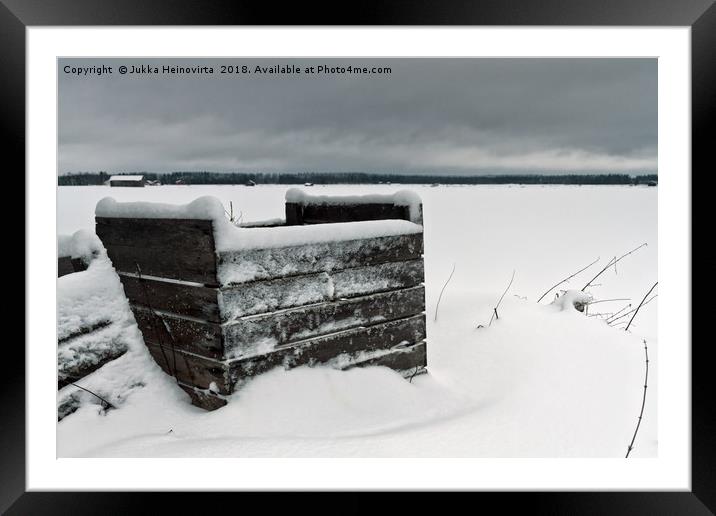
(569, 299)
(204, 207)
(81, 244)
(90, 297)
(229, 237)
(539, 382)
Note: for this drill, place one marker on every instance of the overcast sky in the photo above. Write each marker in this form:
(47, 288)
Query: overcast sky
(461, 116)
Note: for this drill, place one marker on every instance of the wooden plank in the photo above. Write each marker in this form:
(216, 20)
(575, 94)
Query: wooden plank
(83, 353)
(178, 234)
(323, 349)
(408, 360)
(269, 295)
(68, 404)
(194, 265)
(190, 369)
(279, 262)
(179, 298)
(64, 266)
(192, 335)
(203, 399)
(360, 281)
(292, 291)
(293, 214)
(67, 375)
(248, 335)
(78, 265)
(298, 213)
(84, 330)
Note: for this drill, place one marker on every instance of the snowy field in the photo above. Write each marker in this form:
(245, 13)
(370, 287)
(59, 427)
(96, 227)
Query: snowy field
(539, 382)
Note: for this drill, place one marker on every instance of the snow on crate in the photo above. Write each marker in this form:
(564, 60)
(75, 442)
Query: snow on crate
(81, 244)
(89, 298)
(406, 198)
(203, 208)
(94, 328)
(76, 251)
(229, 237)
(234, 302)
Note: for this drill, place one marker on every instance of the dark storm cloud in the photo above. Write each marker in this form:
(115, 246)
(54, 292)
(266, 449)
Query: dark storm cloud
(438, 115)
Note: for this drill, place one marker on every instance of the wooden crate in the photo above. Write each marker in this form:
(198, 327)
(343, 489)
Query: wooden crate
(68, 265)
(341, 303)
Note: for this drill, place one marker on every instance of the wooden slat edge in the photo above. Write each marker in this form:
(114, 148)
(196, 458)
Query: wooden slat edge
(190, 265)
(323, 349)
(181, 299)
(193, 335)
(243, 336)
(273, 263)
(264, 296)
(190, 369)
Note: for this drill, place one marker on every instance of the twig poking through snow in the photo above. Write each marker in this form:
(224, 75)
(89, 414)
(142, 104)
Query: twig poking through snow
(234, 220)
(441, 292)
(643, 403)
(613, 261)
(632, 310)
(609, 319)
(640, 305)
(107, 404)
(494, 310)
(414, 373)
(567, 279)
(607, 300)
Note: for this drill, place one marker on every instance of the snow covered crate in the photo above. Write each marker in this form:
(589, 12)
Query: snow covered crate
(75, 252)
(339, 282)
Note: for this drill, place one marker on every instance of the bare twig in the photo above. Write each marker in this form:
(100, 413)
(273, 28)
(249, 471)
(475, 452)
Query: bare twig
(107, 403)
(231, 213)
(640, 305)
(606, 300)
(441, 292)
(617, 313)
(613, 261)
(634, 309)
(643, 402)
(494, 310)
(567, 279)
(414, 373)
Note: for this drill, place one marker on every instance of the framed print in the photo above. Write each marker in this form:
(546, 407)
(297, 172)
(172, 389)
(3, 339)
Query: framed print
(428, 248)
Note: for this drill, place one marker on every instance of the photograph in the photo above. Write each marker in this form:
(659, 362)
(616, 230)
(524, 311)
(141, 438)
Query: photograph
(404, 257)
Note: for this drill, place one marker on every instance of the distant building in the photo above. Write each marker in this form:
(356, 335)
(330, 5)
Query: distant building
(149, 182)
(307, 184)
(126, 181)
(250, 183)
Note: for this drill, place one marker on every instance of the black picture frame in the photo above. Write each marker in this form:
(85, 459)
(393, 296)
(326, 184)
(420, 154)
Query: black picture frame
(700, 15)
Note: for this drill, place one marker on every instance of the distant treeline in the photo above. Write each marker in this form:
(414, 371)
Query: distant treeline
(324, 178)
